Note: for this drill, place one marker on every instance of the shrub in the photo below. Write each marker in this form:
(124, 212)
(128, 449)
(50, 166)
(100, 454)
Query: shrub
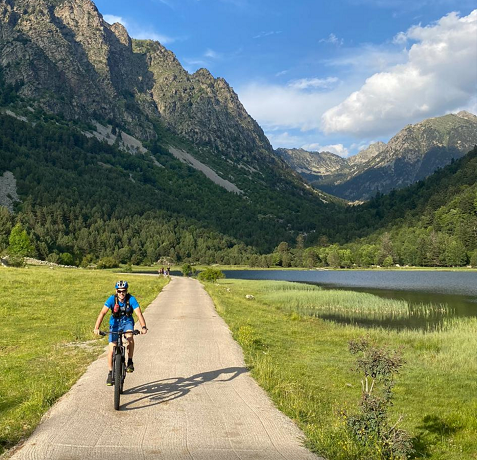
(66, 258)
(108, 262)
(370, 426)
(16, 261)
(211, 274)
(186, 269)
(54, 258)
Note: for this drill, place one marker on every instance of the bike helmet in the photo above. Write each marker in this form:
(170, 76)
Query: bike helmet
(121, 285)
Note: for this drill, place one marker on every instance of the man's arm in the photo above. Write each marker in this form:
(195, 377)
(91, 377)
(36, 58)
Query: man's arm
(101, 315)
(141, 319)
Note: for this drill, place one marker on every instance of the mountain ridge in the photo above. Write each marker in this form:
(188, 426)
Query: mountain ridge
(412, 154)
(67, 58)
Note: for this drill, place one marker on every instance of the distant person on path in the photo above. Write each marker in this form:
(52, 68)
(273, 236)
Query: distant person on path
(122, 304)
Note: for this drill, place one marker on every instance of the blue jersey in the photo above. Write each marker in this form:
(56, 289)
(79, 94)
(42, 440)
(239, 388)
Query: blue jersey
(111, 302)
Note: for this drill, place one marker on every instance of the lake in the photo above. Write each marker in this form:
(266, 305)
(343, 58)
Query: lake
(457, 290)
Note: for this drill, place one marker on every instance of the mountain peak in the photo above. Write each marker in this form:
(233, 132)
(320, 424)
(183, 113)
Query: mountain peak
(203, 73)
(122, 34)
(467, 115)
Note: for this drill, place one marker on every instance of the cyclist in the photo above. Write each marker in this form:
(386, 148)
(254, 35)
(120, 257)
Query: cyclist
(122, 304)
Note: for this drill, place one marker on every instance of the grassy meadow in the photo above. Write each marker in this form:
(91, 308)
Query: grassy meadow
(47, 342)
(303, 362)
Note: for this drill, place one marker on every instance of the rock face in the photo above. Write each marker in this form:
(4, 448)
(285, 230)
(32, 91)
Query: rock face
(313, 163)
(366, 154)
(411, 155)
(68, 60)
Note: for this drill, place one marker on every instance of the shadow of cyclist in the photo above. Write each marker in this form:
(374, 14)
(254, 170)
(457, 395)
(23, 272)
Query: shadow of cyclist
(161, 391)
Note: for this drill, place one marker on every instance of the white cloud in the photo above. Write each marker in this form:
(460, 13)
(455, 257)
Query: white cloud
(368, 58)
(150, 35)
(266, 34)
(338, 149)
(286, 107)
(305, 83)
(333, 39)
(212, 54)
(439, 75)
(139, 32)
(283, 139)
(111, 19)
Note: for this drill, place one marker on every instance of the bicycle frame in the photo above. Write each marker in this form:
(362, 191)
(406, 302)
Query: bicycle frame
(119, 364)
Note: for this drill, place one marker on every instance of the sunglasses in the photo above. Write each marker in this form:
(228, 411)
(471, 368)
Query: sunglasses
(122, 291)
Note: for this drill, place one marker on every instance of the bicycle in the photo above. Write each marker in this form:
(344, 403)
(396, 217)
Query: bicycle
(119, 365)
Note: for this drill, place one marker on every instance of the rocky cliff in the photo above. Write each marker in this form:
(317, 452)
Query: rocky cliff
(66, 59)
(313, 163)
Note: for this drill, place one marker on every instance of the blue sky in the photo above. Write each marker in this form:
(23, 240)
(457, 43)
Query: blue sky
(323, 75)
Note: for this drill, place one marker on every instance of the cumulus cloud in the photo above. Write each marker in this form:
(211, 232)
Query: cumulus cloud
(337, 149)
(439, 75)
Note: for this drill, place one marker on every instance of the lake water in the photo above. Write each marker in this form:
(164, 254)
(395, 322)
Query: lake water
(457, 290)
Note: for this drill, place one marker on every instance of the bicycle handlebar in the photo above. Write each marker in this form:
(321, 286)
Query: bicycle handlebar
(135, 332)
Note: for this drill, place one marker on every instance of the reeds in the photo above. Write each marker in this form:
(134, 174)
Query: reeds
(308, 300)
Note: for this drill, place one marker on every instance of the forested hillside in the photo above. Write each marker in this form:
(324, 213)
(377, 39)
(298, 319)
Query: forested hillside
(84, 200)
(431, 223)
(88, 199)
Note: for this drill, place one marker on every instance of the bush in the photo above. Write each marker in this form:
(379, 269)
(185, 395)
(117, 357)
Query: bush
(54, 258)
(370, 426)
(16, 261)
(211, 274)
(188, 269)
(108, 262)
(67, 259)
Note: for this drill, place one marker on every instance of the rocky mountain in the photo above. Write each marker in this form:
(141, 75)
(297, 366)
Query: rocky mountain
(98, 107)
(411, 155)
(66, 59)
(367, 154)
(313, 165)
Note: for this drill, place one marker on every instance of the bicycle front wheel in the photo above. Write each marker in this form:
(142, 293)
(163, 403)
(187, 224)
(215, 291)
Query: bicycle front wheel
(118, 374)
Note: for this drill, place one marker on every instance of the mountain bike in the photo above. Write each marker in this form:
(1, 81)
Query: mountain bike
(119, 365)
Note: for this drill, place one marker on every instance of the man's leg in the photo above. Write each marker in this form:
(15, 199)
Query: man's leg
(130, 348)
(112, 344)
(110, 355)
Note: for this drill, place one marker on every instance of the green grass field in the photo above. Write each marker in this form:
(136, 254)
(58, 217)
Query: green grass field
(47, 342)
(304, 364)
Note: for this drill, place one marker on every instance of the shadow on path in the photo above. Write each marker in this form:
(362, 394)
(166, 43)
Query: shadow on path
(165, 390)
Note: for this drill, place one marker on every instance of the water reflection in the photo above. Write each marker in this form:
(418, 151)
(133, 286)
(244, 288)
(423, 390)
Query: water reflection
(456, 292)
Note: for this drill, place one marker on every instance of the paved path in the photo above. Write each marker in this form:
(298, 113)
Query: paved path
(190, 397)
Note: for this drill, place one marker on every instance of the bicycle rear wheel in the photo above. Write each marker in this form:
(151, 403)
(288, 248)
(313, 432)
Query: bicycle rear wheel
(118, 374)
